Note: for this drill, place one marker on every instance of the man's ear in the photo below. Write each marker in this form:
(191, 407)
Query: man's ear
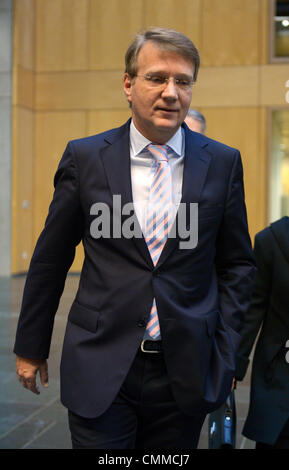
(127, 84)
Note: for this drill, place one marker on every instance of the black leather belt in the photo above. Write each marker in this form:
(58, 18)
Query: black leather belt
(148, 346)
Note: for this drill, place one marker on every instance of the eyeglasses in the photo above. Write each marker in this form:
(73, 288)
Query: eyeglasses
(158, 81)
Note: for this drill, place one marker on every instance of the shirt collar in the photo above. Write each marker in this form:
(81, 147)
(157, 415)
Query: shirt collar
(138, 142)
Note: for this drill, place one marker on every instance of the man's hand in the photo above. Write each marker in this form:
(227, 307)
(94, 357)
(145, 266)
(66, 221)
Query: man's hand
(27, 370)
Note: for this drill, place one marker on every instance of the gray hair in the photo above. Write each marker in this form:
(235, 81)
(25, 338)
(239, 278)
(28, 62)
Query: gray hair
(166, 39)
(194, 114)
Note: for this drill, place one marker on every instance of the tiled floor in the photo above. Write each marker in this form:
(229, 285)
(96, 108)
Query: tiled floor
(29, 421)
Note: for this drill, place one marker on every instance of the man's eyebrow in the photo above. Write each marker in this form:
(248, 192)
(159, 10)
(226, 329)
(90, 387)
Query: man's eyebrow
(163, 73)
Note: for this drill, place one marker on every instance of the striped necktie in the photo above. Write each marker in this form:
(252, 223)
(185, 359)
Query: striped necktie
(159, 217)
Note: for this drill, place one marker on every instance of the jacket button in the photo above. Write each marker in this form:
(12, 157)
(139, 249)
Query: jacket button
(141, 323)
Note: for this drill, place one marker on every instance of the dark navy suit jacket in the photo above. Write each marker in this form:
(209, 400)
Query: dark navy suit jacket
(201, 293)
(268, 320)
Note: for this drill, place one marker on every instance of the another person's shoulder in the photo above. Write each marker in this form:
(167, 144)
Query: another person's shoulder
(281, 224)
(275, 229)
(263, 235)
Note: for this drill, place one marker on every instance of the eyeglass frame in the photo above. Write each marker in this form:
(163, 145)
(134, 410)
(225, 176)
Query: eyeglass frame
(165, 81)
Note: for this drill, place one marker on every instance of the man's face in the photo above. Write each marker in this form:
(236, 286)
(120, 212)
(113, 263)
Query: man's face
(158, 112)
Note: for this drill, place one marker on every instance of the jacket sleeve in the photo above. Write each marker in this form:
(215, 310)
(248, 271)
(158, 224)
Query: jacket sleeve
(258, 308)
(235, 264)
(51, 260)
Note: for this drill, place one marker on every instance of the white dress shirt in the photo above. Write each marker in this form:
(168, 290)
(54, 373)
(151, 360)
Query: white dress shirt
(141, 170)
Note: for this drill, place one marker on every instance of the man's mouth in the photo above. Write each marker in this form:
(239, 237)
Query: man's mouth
(167, 110)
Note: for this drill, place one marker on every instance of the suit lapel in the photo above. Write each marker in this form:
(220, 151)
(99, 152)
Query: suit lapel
(196, 164)
(116, 161)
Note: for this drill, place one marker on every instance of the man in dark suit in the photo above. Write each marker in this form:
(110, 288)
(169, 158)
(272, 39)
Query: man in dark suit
(267, 422)
(151, 336)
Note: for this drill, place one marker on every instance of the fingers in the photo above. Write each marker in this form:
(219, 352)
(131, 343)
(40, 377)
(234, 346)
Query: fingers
(27, 372)
(43, 371)
(29, 383)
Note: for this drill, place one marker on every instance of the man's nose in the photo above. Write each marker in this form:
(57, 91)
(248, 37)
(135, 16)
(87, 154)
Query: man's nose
(170, 91)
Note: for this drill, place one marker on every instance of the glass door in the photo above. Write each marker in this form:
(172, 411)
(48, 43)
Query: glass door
(279, 168)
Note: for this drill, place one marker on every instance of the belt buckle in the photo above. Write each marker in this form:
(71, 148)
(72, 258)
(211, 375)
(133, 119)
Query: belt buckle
(146, 351)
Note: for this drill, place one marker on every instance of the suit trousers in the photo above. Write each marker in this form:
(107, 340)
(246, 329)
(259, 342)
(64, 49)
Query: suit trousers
(144, 414)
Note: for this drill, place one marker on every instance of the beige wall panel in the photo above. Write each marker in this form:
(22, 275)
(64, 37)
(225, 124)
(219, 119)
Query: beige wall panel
(239, 128)
(273, 80)
(24, 33)
(48, 151)
(61, 35)
(181, 15)
(99, 121)
(241, 86)
(264, 31)
(112, 26)
(226, 86)
(25, 88)
(80, 90)
(230, 32)
(22, 189)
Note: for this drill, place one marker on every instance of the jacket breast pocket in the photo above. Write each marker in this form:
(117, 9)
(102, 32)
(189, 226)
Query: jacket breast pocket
(85, 317)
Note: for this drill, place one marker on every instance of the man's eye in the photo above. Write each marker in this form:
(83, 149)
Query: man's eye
(182, 82)
(156, 79)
